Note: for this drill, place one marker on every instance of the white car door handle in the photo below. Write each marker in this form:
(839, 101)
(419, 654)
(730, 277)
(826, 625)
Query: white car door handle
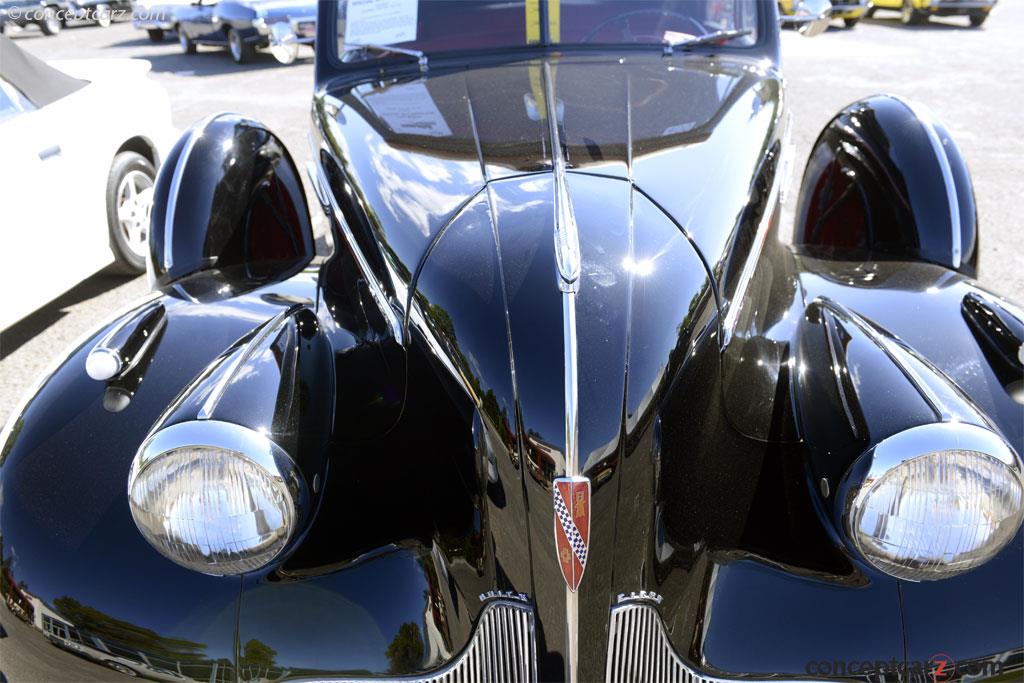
(45, 154)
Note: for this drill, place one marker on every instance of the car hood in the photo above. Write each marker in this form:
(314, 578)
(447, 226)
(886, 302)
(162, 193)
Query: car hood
(455, 177)
(691, 133)
(102, 69)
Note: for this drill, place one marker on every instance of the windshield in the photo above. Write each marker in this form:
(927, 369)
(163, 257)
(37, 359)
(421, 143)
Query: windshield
(434, 26)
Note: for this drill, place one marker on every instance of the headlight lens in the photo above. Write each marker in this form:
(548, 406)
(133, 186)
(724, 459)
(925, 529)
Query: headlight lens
(941, 513)
(225, 508)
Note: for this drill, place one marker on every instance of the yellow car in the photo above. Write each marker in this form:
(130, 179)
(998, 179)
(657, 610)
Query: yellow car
(850, 11)
(918, 11)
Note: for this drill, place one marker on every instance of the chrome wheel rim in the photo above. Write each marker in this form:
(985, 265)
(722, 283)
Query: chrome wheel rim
(52, 23)
(103, 16)
(235, 43)
(908, 12)
(134, 204)
(183, 40)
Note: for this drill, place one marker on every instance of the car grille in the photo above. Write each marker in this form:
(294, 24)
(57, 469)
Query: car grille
(639, 650)
(502, 650)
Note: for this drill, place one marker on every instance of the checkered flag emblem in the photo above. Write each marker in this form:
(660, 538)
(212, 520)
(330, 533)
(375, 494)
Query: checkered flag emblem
(579, 548)
(571, 496)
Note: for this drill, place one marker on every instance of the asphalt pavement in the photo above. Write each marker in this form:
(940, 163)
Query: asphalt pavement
(972, 79)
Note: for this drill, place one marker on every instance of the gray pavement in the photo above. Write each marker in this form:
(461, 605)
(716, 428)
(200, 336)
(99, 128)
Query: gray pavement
(971, 79)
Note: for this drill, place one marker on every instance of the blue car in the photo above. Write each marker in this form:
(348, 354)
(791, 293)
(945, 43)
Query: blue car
(243, 26)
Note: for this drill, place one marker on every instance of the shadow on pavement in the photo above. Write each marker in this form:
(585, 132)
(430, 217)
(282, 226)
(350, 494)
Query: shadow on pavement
(213, 61)
(933, 24)
(144, 41)
(23, 331)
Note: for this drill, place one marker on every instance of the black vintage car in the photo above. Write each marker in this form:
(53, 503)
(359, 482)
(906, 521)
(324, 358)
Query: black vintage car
(243, 26)
(561, 405)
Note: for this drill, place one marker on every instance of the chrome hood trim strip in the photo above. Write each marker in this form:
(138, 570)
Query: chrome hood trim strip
(567, 252)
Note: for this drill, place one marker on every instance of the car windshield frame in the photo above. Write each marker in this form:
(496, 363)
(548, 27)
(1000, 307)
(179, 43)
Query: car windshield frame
(760, 46)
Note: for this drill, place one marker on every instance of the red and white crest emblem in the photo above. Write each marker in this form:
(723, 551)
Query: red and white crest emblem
(572, 527)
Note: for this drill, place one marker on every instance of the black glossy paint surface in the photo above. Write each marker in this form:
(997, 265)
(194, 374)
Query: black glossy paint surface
(230, 197)
(705, 442)
(877, 186)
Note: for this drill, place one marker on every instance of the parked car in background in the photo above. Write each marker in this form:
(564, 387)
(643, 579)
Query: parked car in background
(850, 11)
(157, 18)
(914, 12)
(52, 15)
(21, 14)
(100, 12)
(76, 182)
(243, 26)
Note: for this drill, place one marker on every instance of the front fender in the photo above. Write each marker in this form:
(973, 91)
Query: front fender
(83, 591)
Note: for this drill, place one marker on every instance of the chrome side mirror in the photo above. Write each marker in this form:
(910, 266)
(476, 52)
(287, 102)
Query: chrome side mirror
(811, 17)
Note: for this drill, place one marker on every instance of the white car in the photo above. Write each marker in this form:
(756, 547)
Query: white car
(81, 143)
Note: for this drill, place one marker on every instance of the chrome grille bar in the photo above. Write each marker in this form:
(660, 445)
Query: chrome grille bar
(502, 650)
(639, 650)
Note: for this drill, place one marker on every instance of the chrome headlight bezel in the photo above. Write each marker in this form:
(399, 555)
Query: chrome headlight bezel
(230, 440)
(914, 445)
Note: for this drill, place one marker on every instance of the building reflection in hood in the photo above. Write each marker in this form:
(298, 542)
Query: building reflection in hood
(99, 638)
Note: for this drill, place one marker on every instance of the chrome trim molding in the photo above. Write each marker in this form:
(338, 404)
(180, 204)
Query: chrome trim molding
(747, 274)
(505, 595)
(502, 650)
(639, 596)
(106, 360)
(927, 119)
(567, 239)
(322, 188)
(897, 353)
(567, 254)
(266, 335)
(639, 650)
(193, 133)
(837, 373)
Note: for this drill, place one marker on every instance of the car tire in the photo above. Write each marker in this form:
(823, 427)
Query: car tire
(103, 15)
(129, 202)
(910, 16)
(241, 51)
(188, 46)
(156, 35)
(850, 22)
(50, 24)
(977, 18)
(871, 12)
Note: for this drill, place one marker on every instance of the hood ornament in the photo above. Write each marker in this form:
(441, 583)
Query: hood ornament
(572, 527)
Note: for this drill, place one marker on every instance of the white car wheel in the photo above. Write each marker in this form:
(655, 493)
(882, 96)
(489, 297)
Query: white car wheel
(129, 204)
(134, 204)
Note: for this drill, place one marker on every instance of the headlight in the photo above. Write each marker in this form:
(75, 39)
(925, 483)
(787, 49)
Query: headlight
(939, 500)
(215, 497)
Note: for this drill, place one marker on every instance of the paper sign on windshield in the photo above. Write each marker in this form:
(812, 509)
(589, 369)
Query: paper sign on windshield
(409, 110)
(380, 22)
